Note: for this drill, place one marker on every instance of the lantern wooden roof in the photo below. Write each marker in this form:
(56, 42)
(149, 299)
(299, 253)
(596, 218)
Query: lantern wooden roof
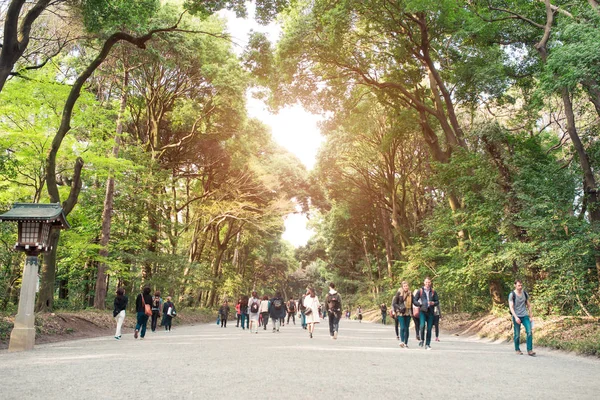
(52, 213)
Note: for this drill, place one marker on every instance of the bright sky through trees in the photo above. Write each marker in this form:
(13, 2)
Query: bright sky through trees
(293, 128)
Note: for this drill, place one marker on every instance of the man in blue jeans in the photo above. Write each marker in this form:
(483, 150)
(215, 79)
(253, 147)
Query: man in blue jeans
(520, 309)
(426, 299)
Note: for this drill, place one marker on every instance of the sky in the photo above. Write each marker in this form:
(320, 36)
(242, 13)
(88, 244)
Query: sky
(292, 127)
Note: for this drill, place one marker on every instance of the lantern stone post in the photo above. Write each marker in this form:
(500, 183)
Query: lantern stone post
(35, 221)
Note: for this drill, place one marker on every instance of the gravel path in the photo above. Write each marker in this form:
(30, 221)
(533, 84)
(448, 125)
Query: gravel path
(206, 361)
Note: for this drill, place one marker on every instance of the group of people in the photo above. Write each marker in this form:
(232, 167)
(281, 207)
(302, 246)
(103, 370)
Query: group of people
(422, 306)
(146, 307)
(254, 311)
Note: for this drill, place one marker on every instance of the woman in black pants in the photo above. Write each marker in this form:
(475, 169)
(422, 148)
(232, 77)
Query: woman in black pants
(416, 319)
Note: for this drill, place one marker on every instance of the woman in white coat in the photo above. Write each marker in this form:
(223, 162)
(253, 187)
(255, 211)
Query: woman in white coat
(311, 301)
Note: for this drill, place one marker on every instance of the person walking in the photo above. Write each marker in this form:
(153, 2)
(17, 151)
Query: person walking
(168, 314)
(383, 309)
(237, 312)
(302, 311)
(311, 302)
(277, 311)
(437, 314)
(141, 301)
(224, 313)
(333, 301)
(359, 313)
(416, 316)
(244, 312)
(120, 304)
(156, 307)
(402, 307)
(254, 311)
(291, 310)
(520, 309)
(264, 311)
(426, 299)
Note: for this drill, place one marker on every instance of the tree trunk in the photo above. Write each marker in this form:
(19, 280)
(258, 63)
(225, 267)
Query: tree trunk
(101, 285)
(496, 291)
(45, 300)
(16, 34)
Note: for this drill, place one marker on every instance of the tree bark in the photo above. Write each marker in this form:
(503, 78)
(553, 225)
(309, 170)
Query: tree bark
(101, 281)
(16, 35)
(45, 299)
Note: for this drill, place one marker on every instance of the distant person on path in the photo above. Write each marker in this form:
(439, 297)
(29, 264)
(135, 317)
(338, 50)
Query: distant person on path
(333, 301)
(359, 313)
(426, 300)
(156, 307)
(402, 307)
(244, 312)
(142, 319)
(168, 314)
(302, 311)
(347, 313)
(437, 314)
(277, 311)
(224, 313)
(238, 312)
(254, 311)
(311, 302)
(383, 309)
(520, 308)
(291, 310)
(120, 304)
(416, 316)
(264, 311)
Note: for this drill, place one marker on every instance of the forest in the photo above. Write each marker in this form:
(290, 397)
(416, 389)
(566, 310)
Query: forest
(460, 144)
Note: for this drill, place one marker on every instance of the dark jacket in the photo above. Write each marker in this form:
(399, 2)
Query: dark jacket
(421, 298)
(166, 306)
(273, 312)
(396, 307)
(329, 305)
(139, 307)
(120, 304)
(224, 311)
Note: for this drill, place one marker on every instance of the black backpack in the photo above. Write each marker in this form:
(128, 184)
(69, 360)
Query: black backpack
(292, 306)
(277, 304)
(254, 307)
(335, 304)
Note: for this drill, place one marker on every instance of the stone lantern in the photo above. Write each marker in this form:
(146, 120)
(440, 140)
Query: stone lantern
(35, 222)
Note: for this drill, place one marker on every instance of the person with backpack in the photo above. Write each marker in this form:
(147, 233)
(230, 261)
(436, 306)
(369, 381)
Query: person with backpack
(141, 301)
(416, 316)
(520, 310)
(277, 311)
(264, 311)
(402, 308)
(224, 313)
(156, 307)
(359, 313)
(168, 314)
(120, 305)
(383, 309)
(254, 312)
(291, 310)
(311, 304)
(333, 301)
(426, 299)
